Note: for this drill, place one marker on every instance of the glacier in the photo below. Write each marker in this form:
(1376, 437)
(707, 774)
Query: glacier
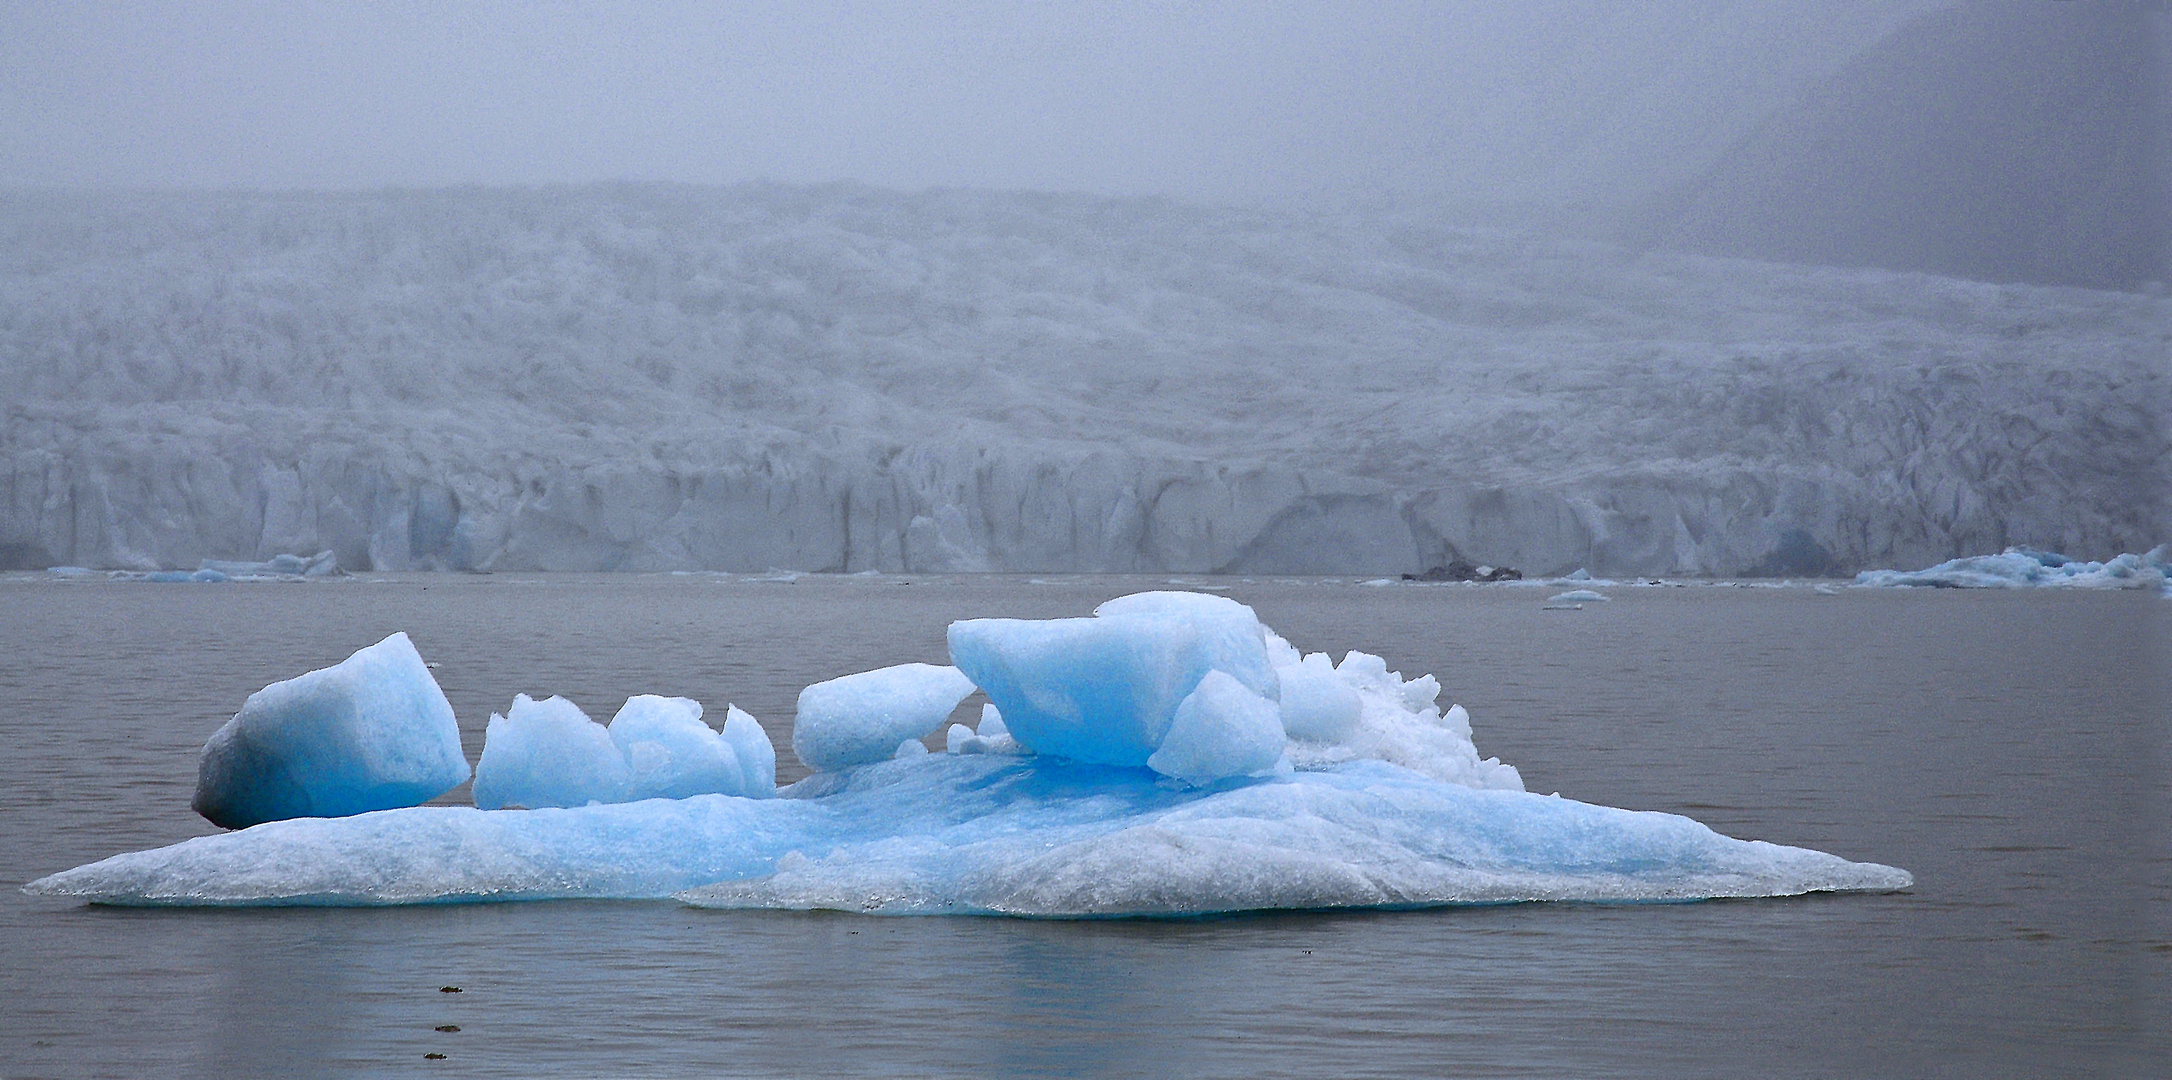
(1366, 797)
(842, 378)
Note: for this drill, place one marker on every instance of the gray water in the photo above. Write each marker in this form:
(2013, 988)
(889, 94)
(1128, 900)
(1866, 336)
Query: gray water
(2009, 749)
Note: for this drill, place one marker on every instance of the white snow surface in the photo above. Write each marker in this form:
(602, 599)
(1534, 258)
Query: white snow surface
(839, 378)
(372, 732)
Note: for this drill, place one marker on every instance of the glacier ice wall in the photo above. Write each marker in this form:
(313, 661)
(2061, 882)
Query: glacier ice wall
(842, 378)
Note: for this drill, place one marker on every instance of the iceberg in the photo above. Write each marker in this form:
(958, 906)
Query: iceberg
(372, 732)
(1107, 689)
(276, 568)
(757, 755)
(1221, 729)
(1580, 596)
(669, 752)
(1317, 704)
(550, 754)
(2026, 567)
(991, 737)
(860, 719)
(1352, 789)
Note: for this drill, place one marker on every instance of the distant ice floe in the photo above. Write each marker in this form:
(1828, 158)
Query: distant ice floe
(2024, 567)
(323, 564)
(1168, 755)
(1581, 596)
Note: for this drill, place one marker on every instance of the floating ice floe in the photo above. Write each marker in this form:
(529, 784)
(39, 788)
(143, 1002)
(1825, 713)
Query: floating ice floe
(1580, 596)
(372, 732)
(278, 568)
(2024, 567)
(1168, 756)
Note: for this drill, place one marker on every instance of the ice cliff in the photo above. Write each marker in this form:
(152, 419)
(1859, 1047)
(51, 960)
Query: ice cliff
(842, 378)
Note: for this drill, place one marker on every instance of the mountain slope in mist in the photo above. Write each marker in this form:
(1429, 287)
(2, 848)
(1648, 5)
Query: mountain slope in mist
(844, 378)
(2001, 141)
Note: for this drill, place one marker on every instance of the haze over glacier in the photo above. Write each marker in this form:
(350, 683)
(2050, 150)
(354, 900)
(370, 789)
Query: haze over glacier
(846, 378)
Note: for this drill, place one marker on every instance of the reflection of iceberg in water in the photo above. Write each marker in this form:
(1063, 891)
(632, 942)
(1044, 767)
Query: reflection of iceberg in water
(1375, 799)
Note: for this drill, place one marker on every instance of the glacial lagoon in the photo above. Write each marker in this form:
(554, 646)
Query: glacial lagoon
(2007, 749)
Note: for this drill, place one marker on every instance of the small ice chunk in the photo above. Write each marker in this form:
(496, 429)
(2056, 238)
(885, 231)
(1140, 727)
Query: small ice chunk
(992, 738)
(170, 577)
(1222, 729)
(1580, 596)
(1316, 703)
(911, 748)
(670, 753)
(1106, 689)
(1230, 632)
(372, 732)
(757, 755)
(860, 719)
(322, 564)
(548, 753)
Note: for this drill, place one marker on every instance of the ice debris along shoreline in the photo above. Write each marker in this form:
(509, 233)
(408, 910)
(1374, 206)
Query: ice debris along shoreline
(1163, 800)
(2025, 567)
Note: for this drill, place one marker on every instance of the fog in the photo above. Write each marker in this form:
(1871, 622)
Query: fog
(1282, 103)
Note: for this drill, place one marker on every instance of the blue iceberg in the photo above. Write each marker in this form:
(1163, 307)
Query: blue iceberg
(372, 732)
(1344, 785)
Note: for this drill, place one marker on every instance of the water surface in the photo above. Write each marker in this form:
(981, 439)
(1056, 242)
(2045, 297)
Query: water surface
(2009, 749)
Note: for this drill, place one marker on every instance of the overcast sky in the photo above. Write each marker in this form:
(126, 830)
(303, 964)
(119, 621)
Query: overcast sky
(1221, 102)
